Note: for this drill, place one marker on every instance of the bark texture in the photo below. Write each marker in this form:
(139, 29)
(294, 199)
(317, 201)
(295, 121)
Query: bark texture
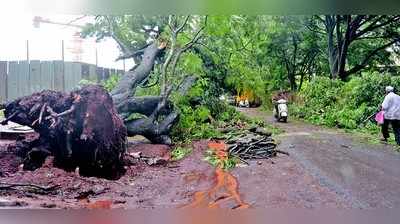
(158, 113)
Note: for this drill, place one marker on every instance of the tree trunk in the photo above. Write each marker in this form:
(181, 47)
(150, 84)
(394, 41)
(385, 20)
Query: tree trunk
(292, 81)
(332, 50)
(301, 81)
(150, 127)
(126, 87)
(158, 113)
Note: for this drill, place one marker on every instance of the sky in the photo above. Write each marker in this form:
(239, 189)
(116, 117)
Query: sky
(45, 41)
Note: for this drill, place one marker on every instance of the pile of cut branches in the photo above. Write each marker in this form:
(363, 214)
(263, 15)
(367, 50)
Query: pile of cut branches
(252, 143)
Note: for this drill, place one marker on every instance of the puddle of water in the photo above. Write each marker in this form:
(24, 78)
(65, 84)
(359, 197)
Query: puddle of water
(225, 188)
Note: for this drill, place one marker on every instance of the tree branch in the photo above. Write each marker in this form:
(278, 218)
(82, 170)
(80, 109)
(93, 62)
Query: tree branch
(369, 56)
(196, 37)
(179, 29)
(373, 25)
(123, 47)
(132, 54)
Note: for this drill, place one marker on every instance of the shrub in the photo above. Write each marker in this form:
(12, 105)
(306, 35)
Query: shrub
(200, 113)
(110, 83)
(343, 104)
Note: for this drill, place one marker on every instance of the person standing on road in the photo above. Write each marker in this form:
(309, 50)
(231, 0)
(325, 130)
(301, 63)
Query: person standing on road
(391, 113)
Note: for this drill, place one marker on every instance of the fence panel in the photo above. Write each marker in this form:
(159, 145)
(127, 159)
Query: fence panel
(92, 73)
(106, 73)
(12, 80)
(34, 76)
(58, 75)
(68, 76)
(23, 78)
(47, 75)
(112, 71)
(120, 72)
(100, 74)
(85, 71)
(77, 73)
(3, 81)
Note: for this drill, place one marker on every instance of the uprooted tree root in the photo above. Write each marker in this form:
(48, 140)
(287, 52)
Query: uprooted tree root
(80, 129)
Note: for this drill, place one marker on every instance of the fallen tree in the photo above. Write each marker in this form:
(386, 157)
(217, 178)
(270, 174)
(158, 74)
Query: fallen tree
(80, 129)
(87, 128)
(152, 107)
(158, 113)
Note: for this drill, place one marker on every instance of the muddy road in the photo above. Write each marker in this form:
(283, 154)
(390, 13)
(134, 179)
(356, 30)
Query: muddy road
(325, 169)
(360, 174)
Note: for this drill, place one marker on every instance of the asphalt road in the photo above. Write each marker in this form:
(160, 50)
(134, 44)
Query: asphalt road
(359, 174)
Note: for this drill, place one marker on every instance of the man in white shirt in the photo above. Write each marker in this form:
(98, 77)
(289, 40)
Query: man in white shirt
(391, 110)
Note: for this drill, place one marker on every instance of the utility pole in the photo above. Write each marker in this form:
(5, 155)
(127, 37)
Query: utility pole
(63, 64)
(96, 58)
(62, 51)
(27, 50)
(29, 65)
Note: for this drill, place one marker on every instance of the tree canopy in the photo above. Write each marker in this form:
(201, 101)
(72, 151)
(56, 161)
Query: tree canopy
(266, 52)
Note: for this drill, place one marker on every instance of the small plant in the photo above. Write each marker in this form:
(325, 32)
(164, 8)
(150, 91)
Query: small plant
(85, 82)
(180, 153)
(194, 123)
(111, 82)
(1, 113)
(227, 164)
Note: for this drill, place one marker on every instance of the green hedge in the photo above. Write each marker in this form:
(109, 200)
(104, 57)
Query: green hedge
(343, 104)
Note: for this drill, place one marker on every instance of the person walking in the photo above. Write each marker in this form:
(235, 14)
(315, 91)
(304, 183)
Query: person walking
(391, 113)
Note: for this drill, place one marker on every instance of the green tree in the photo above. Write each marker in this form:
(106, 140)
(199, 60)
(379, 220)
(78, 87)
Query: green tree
(157, 44)
(295, 48)
(353, 42)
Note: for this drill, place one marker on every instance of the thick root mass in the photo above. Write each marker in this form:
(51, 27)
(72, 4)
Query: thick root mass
(80, 129)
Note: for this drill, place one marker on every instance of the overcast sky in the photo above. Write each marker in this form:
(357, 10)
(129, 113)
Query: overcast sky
(45, 41)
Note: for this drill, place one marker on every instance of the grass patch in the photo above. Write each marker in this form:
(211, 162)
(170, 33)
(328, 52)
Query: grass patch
(179, 153)
(273, 129)
(371, 137)
(1, 113)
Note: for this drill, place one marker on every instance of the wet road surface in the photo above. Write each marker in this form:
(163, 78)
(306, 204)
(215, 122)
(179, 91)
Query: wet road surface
(360, 175)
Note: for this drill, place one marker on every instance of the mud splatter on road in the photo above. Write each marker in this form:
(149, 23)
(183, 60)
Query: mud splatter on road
(225, 189)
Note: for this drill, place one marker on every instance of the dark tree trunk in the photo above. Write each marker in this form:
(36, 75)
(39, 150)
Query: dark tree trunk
(301, 81)
(330, 25)
(159, 115)
(130, 80)
(292, 81)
